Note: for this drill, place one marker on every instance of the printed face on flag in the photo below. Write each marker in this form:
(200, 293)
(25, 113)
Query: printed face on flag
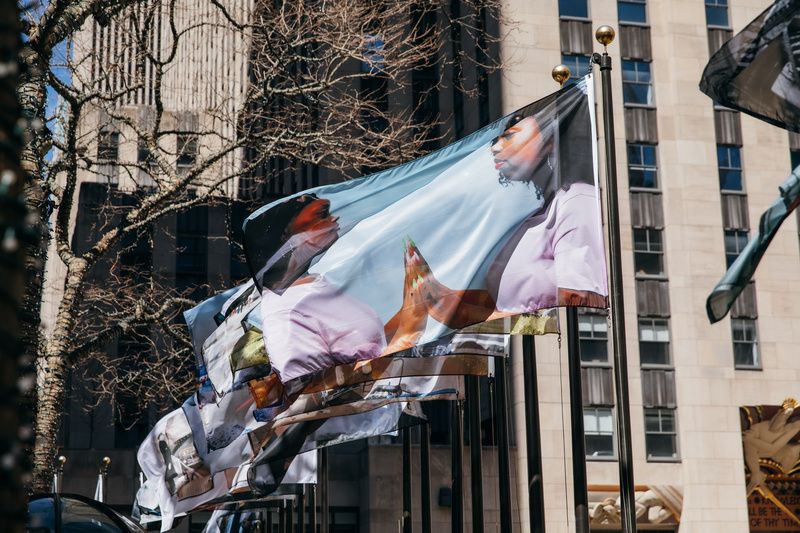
(504, 222)
(186, 475)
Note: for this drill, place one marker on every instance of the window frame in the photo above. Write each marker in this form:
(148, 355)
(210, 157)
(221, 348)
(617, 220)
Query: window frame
(595, 410)
(752, 342)
(730, 167)
(594, 318)
(637, 82)
(729, 257)
(652, 322)
(648, 251)
(646, 21)
(676, 458)
(108, 141)
(574, 17)
(717, 4)
(643, 166)
(567, 59)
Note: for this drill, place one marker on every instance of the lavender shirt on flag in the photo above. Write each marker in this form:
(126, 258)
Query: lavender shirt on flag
(315, 325)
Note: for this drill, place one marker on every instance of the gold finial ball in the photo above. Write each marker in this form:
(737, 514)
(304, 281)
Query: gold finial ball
(561, 74)
(605, 35)
(106, 461)
(61, 460)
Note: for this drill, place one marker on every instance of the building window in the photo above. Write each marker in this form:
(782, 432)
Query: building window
(187, 151)
(745, 343)
(637, 86)
(794, 157)
(579, 65)
(632, 11)
(735, 242)
(642, 166)
(654, 341)
(593, 333)
(598, 428)
(717, 13)
(729, 163)
(661, 438)
(108, 146)
(648, 252)
(191, 257)
(573, 8)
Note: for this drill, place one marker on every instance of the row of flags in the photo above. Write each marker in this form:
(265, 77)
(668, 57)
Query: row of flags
(370, 296)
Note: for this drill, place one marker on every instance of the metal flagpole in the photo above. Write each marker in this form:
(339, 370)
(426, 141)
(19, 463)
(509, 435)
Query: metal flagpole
(579, 487)
(501, 423)
(323, 489)
(605, 36)
(580, 495)
(425, 475)
(312, 507)
(476, 473)
(301, 509)
(406, 517)
(532, 433)
(457, 462)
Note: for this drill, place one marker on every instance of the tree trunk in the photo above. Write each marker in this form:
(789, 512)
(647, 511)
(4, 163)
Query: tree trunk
(12, 279)
(52, 379)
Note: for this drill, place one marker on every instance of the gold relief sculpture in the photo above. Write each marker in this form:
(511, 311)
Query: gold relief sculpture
(249, 351)
(771, 445)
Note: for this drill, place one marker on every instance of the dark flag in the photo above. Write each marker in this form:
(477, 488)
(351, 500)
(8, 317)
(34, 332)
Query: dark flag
(737, 277)
(758, 70)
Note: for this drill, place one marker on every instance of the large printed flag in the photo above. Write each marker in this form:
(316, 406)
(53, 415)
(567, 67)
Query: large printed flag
(737, 277)
(503, 222)
(758, 70)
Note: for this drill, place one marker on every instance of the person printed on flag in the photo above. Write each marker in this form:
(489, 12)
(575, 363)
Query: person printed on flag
(550, 261)
(504, 222)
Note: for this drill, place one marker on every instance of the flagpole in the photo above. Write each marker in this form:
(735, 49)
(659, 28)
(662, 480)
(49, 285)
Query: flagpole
(312, 507)
(532, 436)
(301, 509)
(323, 489)
(406, 516)
(456, 466)
(605, 36)
(501, 420)
(476, 470)
(561, 74)
(425, 475)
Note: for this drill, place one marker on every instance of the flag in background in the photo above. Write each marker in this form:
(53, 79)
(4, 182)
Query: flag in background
(737, 277)
(503, 222)
(758, 70)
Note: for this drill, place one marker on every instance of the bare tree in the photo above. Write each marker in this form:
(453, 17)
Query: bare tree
(173, 104)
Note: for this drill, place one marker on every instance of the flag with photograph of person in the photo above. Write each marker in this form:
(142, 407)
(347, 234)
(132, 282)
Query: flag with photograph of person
(758, 70)
(501, 223)
(740, 273)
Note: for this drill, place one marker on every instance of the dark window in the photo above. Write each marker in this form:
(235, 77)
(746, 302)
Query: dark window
(642, 166)
(579, 65)
(745, 343)
(794, 157)
(598, 427)
(632, 11)
(239, 270)
(654, 341)
(637, 86)
(573, 8)
(187, 151)
(661, 437)
(729, 163)
(717, 13)
(593, 333)
(735, 242)
(648, 252)
(108, 146)
(191, 269)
